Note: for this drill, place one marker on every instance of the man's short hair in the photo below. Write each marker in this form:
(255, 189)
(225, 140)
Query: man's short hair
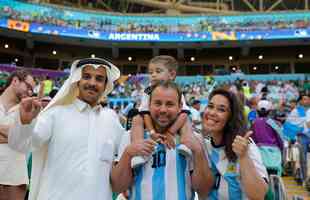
(20, 74)
(301, 95)
(167, 61)
(168, 85)
(195, 102)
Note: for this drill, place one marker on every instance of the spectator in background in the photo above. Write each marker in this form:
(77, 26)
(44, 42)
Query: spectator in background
(267, 135)
(130, 111)
(294, 123)
(13, 166)
(48, 85)
(293, 104)
(196, 116)
(303, 137)
(293, 129)
(138, 91)
(280, 113)
(253, 112)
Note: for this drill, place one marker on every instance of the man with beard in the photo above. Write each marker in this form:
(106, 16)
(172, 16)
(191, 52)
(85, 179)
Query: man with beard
(73, 139)
(13, 166)
(168, 174)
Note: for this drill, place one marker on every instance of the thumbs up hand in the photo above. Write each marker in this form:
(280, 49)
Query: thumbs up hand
(240, 144)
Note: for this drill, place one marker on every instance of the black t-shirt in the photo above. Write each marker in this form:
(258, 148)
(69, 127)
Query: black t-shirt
(131, 113)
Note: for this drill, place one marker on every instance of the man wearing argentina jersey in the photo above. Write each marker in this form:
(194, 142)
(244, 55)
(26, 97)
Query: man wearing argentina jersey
(167, 175)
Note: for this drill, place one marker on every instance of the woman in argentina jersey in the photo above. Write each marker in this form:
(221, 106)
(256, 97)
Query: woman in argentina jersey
(233, 157)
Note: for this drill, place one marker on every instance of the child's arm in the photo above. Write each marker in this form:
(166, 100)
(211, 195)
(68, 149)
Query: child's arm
(137, 129)
(149, 126)
(148, 122)
(178, 124)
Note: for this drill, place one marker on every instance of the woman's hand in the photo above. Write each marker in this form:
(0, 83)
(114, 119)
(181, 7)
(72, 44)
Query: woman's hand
(240, 144)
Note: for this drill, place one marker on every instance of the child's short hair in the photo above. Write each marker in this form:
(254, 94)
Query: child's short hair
(167, 61)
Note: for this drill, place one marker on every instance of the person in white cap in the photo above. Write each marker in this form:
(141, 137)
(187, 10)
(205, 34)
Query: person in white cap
(268, 136)
(73, 139)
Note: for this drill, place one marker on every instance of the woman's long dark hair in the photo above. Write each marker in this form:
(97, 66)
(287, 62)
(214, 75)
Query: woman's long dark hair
(236, 124)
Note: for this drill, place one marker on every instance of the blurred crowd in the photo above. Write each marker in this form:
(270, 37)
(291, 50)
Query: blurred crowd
(66, 18)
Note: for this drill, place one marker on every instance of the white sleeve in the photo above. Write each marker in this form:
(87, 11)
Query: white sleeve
(306, 128)
(204, 146)
(144, 107)
(195, 115)
(30, 137)
(308, 116)
(293, 117)
(255, 156)
(124, 142)
(117, 130)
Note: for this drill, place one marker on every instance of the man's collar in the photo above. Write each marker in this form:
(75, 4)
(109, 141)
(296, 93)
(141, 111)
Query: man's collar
(82, 105)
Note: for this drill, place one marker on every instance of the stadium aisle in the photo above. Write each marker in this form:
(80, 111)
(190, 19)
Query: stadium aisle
(293, 189)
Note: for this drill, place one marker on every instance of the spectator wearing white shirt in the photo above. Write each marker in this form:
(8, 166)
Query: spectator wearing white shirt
(196, 115)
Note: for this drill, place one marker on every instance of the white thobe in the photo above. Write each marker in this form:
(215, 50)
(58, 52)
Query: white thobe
(73, 149)
(13, 165)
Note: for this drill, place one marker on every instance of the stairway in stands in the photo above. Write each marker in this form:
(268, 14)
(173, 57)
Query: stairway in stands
(293, 189)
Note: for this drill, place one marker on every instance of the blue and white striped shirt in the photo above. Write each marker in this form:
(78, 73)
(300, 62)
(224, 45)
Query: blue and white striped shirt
(227, 174)
(165, 176)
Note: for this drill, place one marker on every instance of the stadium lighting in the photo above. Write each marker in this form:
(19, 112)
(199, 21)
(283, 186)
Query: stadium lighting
(300, 55)
(54, 52)
(130, 58)
(276, 67)
(254, 68)
(16, 60)
(260, 57)
(193, 58)
(6, 46)
(93, 56)
(230, 58)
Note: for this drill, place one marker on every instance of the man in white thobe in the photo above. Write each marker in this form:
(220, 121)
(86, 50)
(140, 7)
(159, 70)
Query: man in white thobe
(74, 139)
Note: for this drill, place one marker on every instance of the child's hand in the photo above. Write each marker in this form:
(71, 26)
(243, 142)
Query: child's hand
(141, 148)
(157, 137)
(169, 140)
